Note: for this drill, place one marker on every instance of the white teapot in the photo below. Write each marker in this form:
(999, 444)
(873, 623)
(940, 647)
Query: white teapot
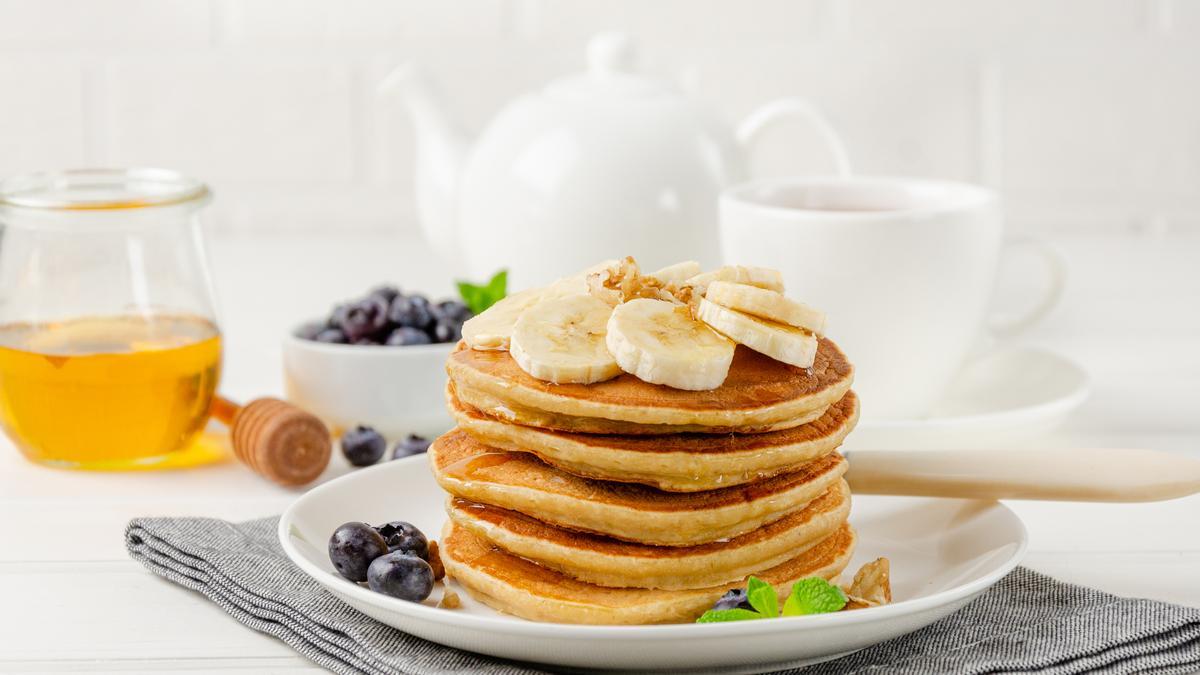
(599, 165)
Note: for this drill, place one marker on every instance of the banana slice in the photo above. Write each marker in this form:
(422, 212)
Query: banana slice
(754, 276)
(766, 304)
(492, 328)
(660, 343)
(561, 340)
(781, 342)
(677, 273)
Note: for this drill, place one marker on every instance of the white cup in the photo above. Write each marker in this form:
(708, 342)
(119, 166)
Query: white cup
(904, 268)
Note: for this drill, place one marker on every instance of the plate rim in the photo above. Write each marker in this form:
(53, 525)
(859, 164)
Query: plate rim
(520, 627)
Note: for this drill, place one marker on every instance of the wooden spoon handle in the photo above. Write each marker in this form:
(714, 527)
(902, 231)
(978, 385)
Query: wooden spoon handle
(1096, 475)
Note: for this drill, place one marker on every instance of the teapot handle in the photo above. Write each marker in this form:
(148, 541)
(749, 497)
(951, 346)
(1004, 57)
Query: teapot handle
(751, 128)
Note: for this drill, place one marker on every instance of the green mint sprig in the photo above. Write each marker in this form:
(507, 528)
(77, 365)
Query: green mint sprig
(813, 595)
(479, 297)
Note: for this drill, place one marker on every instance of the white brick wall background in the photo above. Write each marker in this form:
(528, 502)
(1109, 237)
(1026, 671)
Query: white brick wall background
(1086, 113)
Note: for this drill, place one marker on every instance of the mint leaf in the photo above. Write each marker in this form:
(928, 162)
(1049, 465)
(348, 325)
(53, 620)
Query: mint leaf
(720, 615)
(479, 297)
(813, 595)
(762, 597)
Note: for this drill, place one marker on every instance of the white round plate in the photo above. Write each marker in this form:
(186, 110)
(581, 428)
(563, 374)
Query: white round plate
(943, 553)
(1004, 397)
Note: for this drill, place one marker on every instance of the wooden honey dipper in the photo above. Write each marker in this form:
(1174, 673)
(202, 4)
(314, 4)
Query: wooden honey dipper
(277, 440)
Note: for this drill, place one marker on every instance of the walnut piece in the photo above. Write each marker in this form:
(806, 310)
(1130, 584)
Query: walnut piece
(450, 600)
(872, 584)
(435, 561)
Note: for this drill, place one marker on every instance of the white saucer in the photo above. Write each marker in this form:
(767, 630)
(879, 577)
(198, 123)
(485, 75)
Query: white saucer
(1007, 396)
(943, 553)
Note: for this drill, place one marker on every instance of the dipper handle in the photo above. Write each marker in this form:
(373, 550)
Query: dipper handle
(1082, 475)
(277, 440)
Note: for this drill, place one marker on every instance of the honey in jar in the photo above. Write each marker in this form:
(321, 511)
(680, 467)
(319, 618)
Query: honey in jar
(111, 392)
(109, 348)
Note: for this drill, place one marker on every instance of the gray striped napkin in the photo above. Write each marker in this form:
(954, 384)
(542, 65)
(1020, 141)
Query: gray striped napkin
(1026, 623)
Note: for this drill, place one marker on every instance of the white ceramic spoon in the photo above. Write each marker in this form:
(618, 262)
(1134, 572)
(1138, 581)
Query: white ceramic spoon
(1096, 475)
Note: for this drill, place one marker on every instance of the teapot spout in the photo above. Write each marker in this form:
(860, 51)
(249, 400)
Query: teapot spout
(442, 148)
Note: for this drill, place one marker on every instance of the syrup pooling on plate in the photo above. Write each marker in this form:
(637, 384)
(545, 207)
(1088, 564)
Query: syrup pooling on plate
(107, 391)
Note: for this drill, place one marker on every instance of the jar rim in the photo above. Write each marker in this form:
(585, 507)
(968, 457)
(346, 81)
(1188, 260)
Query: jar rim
(100, 189)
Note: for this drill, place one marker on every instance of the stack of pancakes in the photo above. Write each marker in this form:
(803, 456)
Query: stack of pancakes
(624, 502)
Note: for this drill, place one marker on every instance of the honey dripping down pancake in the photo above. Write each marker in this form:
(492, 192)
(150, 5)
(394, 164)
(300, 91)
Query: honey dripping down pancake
(521, 482)
(685, 462)
(609, 562)
(516, 586)
(758, 393)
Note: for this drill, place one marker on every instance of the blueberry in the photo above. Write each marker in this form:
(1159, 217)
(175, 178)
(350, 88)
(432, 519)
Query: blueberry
(352, 548)
(401, 575)
(413, 445)
(332, 336)
(337, 316)
(447, 330)
(404, 537)
(365, 318)
(451, 309)
(363, 446)
(406, 335)
(411, 311)
(386, 293)
(311, 330)
(733, 599)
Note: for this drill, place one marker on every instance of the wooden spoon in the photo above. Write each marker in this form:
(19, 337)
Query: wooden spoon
(1097, 475)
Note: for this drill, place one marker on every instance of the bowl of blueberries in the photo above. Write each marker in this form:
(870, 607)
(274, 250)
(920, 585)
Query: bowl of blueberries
(378, 360)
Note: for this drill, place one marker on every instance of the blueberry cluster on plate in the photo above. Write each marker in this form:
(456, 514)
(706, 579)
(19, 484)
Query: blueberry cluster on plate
(387, 316)
(395, 559)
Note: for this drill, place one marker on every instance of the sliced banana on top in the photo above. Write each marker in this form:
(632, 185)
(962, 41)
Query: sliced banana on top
(769, 305)
(754, 276)
(561, 340)
(492, 328)
(677, 273)
(781, 342)
(659, 342)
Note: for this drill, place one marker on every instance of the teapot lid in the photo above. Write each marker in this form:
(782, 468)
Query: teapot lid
(611, 74)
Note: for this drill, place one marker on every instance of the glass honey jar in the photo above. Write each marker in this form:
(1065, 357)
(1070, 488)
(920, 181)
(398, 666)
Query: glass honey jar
(110, 352)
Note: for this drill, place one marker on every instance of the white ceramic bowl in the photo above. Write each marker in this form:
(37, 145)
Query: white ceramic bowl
(396, 390)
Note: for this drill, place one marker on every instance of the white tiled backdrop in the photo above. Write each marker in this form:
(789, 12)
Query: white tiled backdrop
(1086, 113)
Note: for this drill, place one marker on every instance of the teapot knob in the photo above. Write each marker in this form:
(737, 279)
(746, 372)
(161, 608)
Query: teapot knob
(612, 52)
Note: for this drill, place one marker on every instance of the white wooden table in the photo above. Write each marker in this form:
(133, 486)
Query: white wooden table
(71, 600)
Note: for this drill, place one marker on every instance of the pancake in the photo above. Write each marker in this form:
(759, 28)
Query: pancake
(609, 562)
(529, 417)
(519, 481)
(685, 462)
(526, 589)
(759, 393)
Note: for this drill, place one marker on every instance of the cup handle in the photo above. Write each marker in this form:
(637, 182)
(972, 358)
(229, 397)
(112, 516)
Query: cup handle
(1009, 326)
(751, 128)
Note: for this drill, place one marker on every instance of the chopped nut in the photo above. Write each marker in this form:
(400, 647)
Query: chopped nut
(853, 602)
(435, 561)
(873, 583)
(623, 281)
(450, 600)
